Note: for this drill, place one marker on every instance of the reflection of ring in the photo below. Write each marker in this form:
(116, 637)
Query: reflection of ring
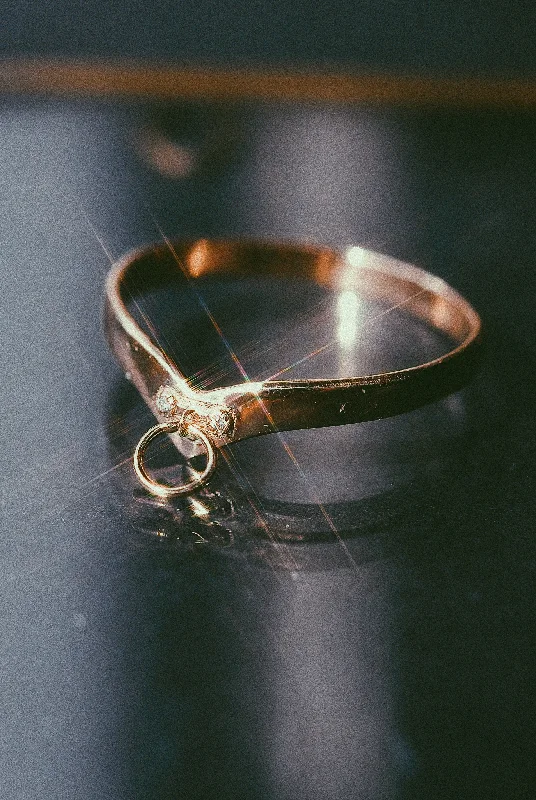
(161, 489)
(222, 416)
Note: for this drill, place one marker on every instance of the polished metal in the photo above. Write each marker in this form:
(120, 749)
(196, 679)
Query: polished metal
(161, 489)
(226, 415)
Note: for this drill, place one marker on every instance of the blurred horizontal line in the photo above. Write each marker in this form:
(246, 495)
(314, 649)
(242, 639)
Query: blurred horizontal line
(134, 79)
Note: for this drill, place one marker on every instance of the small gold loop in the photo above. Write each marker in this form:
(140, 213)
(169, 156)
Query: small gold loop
(160, 489)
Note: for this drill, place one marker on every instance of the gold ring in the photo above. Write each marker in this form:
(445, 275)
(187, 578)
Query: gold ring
(161, 489)
(222, 416)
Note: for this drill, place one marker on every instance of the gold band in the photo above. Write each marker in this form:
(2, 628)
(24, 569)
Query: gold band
(248, 409)
(160, 489)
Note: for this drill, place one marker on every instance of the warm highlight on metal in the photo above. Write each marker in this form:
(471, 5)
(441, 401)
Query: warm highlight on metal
(226, 415)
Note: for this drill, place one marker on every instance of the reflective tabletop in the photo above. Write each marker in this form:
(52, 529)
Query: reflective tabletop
(237, 645)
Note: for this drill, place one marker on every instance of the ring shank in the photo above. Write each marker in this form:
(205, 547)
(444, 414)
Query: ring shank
(260, 408)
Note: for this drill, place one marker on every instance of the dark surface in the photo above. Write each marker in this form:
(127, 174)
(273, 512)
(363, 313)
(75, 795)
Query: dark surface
(490, 37)
(146, 653)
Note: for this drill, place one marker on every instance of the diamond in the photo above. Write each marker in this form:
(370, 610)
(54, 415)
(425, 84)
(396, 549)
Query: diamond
(220, 421)
(166, 400)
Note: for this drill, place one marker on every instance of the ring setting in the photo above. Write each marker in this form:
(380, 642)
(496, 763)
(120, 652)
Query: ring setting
(211, 419)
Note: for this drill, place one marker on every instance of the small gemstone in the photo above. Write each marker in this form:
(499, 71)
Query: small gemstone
(220, 422)
(166, 401)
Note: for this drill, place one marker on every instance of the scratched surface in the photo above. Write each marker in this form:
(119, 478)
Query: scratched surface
(146, 652)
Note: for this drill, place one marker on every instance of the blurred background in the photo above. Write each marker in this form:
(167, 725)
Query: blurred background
(239, 648)
(439, 37)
